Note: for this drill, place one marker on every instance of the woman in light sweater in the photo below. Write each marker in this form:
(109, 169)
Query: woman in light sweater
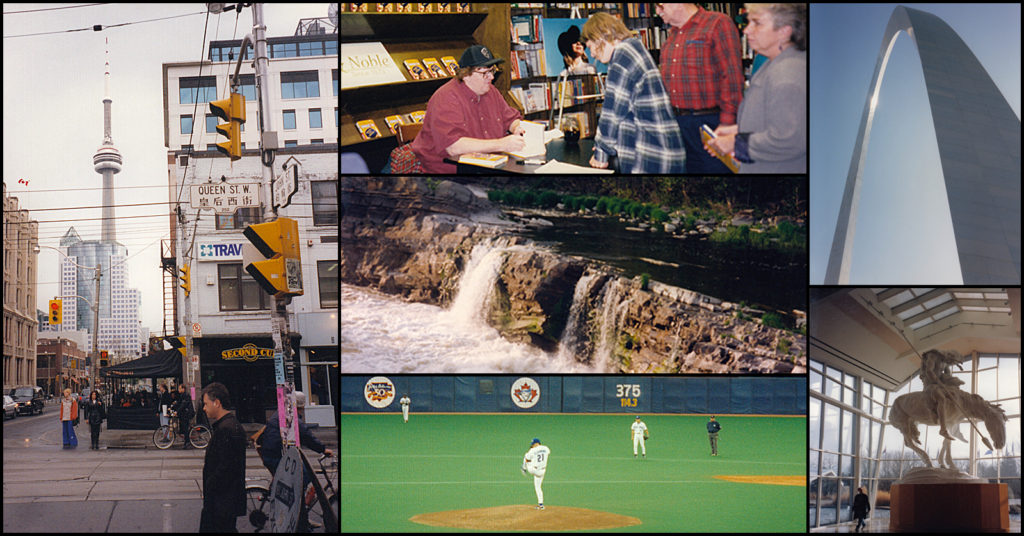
(68, 415)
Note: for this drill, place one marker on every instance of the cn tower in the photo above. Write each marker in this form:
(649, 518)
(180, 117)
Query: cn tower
(107, 161)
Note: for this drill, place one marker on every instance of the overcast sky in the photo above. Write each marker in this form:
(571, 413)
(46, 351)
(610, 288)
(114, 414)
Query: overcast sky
(53, 119)
(904, 234)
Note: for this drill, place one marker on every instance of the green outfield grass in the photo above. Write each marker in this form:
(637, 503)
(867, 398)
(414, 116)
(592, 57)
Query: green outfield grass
(391, 471)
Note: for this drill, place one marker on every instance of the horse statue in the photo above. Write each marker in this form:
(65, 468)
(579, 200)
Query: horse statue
(943, 403)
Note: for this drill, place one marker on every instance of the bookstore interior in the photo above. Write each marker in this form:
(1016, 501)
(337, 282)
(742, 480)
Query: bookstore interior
(396, 56)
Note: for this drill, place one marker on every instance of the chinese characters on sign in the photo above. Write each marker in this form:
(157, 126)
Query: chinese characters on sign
(225, 197)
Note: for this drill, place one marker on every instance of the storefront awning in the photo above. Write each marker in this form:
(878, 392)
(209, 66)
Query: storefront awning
(164, 364)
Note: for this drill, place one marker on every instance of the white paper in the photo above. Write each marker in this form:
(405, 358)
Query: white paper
(555, 166)
(534, 140)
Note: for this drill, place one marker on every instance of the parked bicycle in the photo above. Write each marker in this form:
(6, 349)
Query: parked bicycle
(259, 499)
(198, 435)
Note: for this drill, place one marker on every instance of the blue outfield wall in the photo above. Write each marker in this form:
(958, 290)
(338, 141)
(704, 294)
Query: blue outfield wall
(753, 395)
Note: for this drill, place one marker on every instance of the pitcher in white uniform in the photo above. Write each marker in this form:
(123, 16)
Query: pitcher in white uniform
(639, 435)
(535, 462)
(405, 407)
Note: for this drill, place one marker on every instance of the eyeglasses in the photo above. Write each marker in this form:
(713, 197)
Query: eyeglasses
(494, 72)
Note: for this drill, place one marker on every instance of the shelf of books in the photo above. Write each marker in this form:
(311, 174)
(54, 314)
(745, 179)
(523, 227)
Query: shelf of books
(394, 57)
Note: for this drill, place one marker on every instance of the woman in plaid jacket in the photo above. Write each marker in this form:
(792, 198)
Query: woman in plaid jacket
(636, 125)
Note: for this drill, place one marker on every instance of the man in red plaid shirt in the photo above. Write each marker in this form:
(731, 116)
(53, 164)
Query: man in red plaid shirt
(703, 73)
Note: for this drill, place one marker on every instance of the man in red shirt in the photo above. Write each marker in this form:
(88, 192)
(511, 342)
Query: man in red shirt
(703, 73)
(468, 115)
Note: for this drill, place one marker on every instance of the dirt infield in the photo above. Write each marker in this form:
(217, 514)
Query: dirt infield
(525, 518)
(794, 480)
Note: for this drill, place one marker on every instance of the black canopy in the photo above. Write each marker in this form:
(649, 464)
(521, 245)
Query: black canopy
(166, 363)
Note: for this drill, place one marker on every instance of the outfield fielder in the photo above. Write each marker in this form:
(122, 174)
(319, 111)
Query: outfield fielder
(639, 435)
(713, 428)
(535, 462)
(405, 407)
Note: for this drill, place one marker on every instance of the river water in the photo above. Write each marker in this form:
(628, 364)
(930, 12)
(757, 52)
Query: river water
(770, 279)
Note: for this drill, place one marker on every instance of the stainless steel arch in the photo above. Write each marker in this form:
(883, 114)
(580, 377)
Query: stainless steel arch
(978, 137)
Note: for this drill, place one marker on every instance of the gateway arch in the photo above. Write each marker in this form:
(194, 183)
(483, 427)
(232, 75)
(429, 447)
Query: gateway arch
(978, 137)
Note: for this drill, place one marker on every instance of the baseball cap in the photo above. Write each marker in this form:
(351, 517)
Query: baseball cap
(535, 441)
(637, 416)
(478, 56)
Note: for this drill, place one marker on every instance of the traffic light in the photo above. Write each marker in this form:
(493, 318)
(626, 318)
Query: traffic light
(104, 358)
(278, 242)
(186, 279)
(232, 110)
(56, 312)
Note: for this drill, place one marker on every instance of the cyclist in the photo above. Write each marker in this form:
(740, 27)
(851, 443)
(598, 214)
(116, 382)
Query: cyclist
(183, 409)
(270, 452)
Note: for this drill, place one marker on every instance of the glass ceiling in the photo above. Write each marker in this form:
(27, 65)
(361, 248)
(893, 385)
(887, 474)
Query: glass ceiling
(920, 307)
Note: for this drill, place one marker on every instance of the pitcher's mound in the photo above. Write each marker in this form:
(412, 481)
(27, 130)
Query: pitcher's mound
(525, 518)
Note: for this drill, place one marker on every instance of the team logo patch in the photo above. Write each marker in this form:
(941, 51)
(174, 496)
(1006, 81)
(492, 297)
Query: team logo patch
(379, 392)
(485, 53)
(525, 393)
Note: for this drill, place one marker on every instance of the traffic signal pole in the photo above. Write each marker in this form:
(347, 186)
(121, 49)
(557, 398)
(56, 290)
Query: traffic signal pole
(284, 369)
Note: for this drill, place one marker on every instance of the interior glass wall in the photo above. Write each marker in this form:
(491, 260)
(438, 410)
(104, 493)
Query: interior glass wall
(850, 447)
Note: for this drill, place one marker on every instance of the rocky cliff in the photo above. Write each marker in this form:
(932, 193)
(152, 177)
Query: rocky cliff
(413, 238)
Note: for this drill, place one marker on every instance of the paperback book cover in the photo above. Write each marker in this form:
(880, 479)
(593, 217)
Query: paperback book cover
(483, 159)
(368, 129)
(393, 122)
(434, 68)
(415, 69)
(706, 134)
(450, 63)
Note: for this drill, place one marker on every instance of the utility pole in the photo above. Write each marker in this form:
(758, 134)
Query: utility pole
(287, 412)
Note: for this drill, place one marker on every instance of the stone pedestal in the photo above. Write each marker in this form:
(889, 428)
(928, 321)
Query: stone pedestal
(952, 507)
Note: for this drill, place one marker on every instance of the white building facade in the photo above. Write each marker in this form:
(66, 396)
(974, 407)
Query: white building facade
(228, 308)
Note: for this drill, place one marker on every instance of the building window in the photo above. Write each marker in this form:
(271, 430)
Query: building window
(299, 85)
(238, 291)
(283, 50)
(289, 119)
(241, 219)
(186, 124)
(314, 118)
(327, 278)
(194, 89)
(325, 202)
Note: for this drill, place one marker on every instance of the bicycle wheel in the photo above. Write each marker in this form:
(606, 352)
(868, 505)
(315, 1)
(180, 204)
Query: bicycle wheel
(199, 436)
(257, 508)
(163, 438)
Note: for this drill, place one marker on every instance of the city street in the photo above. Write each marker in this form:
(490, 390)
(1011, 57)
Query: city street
(135, 488)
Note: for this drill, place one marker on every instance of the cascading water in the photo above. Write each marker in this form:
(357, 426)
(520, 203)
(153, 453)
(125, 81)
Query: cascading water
(573, 345)
(477, 283)
(381, 333)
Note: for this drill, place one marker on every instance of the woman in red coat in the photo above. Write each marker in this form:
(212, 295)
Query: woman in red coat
(68, 417)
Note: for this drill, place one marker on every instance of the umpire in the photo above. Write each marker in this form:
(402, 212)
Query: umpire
(713, 428)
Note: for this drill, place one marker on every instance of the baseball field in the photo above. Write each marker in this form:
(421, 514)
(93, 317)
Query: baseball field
(461, 472)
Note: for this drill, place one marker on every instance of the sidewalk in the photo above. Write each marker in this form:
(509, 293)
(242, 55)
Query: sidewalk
(143, 439)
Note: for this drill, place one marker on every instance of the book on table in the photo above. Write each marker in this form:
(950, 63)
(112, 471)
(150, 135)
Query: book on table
(534, 137)
(491, 160)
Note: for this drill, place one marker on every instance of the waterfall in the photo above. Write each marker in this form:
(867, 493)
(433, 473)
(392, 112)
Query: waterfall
(477, 283)
(613, 309)
(572, 347)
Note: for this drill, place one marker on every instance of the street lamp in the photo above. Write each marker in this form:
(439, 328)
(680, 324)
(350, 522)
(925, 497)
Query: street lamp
(95, 369)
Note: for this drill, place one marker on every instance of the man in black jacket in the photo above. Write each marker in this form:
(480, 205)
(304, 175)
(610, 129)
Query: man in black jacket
(184, 410)
(224, 466)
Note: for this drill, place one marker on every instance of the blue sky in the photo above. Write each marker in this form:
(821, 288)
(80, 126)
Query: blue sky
(904, 234)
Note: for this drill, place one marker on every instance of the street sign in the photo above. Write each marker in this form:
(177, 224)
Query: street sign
(197, 329)
(225, 197)
(285, 186)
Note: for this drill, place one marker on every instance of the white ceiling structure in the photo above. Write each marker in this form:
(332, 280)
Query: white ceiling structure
(877, 333)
